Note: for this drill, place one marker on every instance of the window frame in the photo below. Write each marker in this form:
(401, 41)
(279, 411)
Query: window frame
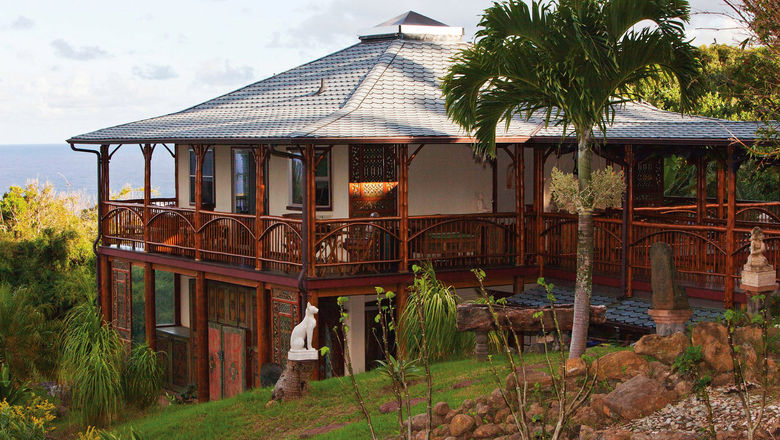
(252, 177)
(291, 206)
(192, 176)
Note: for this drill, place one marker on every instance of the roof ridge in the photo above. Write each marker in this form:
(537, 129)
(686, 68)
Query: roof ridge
(361, 91)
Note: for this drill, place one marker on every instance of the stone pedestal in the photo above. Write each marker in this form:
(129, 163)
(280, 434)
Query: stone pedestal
(669, 322)
(481, 345)
(294, 381)
(754, 304)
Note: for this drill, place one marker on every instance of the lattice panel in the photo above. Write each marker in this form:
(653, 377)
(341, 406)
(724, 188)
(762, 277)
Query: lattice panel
(649, 182)
(372, 163)
(284, 316)
(122, 291)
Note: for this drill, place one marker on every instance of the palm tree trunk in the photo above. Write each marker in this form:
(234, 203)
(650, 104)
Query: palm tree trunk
(584, 283)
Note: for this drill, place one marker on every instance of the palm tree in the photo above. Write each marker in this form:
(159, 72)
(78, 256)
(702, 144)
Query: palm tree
(574, 61)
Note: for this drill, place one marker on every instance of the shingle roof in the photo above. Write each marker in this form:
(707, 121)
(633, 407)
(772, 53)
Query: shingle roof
(378, 89)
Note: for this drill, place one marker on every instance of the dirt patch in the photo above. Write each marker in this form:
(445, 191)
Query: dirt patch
(464, 384)
(321, 430)
(393, 405)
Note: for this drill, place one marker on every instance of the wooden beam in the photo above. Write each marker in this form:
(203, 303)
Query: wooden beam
(147, 151)
(262, 318)
(260, 154)
(539, 205)
(200, 154)
(150, 308)
(202, 337)
(403, 204)
(626, 272)
(519, 166)
(477, 317)
(728, 298)
(309, 209)
(721, 188)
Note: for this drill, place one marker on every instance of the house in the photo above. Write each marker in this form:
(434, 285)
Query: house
(336, 176)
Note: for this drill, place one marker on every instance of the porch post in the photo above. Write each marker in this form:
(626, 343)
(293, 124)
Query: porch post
(519, 167)
(260, 154)
(721, 187)
(701, 189)
(105, 188)
(314, 299)
(106, 292)
(728, 298)
(403, 206)
(147, 151)
(539, 205)
(627, 235)
(150, 308)
(200, 155)
(202, 336)
(309, 208)
(177, 298)
(263, 341)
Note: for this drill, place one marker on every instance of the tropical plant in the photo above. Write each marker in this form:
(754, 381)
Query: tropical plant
(439, 308)
(689, 364)
(11, 392)
(142, 376)
(25, 335)
(574, 61)
(28, 422)
(91, 362)
(93, 433)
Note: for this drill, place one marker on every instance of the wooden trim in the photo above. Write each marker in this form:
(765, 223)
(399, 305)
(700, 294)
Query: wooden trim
(150, 308)
(539, 205)
(260, 154)
(519, 169)
(176, 299)
(403, 162)
(202, 335)
(721, 196)
(262, 320)
(230, 280)
(106, 290)
(728, 297)
(701, 188)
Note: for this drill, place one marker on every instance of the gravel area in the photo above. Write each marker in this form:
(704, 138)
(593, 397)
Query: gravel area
(690, 414)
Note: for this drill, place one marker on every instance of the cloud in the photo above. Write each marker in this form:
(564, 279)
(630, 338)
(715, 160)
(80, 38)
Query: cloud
(22, 23)
(216, 74)
(154, 71)
(84, 53)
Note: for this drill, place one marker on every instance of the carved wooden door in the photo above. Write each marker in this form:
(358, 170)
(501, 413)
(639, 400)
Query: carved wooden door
(284, 316)
(234, 363)
(216, 356)
(122, 304)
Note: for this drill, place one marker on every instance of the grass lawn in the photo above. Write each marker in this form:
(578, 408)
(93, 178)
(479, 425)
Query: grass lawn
(329, 402)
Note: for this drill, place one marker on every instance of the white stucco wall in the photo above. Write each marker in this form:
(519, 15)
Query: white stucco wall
(356, 336)
(184, 300)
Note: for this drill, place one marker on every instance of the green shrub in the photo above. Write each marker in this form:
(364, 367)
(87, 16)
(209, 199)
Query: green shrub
(11, 392)
(91, 362)
(28, 422)
(25, 334)
(440, 304)
(142, 376)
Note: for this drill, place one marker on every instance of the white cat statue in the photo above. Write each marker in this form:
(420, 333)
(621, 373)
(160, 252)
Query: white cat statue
(301, 337)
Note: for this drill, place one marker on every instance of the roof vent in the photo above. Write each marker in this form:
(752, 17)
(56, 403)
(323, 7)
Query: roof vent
(413, 26)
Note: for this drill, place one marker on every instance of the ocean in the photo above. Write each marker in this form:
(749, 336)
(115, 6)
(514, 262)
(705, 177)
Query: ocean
(71, 171)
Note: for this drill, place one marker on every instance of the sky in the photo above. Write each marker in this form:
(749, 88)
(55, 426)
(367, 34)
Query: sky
(72, 67)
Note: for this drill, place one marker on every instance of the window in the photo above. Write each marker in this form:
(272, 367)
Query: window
(243, 181)
(208, 178)
(322, 194)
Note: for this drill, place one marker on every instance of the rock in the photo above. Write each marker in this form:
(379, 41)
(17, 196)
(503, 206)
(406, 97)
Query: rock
(713, 338)
(659, 370)
(419, 422)
(587, 433)
(496, 399)
(575, 367)
(667, 294)
(535, 410)
(501, 415)
(664, 348)
(461, 424)
(748, 335)
(683, 388)
(448, 418)
(441, 409)
(723, 379)
(488, 430)
(637, 397)
(597, 404)
(619, 365)
(615, 434)
(586, 415)
(641, 436)
(422, 435)
(532, 376)
(467, 404)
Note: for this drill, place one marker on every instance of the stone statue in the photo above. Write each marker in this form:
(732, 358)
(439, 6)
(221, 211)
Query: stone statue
(670, 310)
(304, 331)
(756, 261)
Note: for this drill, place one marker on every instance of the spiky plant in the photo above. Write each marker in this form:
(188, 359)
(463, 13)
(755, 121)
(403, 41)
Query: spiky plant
(142, 376)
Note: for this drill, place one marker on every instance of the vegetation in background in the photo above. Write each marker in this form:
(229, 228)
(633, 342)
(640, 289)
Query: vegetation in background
(12, 392)
(28, 422)
(92, 363)
(439, 308)
(27, 339)
(574, 62)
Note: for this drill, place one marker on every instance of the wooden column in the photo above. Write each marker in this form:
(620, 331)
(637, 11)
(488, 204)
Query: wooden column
(200, 156)
(701, 189)
(150, 308)
(539, 205)
(106, 290)
(728, 298)
(314, 299)
(105, 188)
(721, 188)
(260, 154)
(202, 336)
(403, 205)
(627, 236)
(176, 299)
(309, 213)
(147, 151)
(494, 192)
(519, 166)
(263, 338)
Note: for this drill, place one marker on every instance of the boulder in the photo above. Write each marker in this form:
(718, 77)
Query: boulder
(637, 397)
(461, 424)
(586, 415)
(488, 430)
(597, 404)
(683, 388)
(664, 348)
(659, 370)
(448, 418)
(441, 409)
(575, 367)
(419, 422)
(713, 338)
(619, 365)
(496, 399)
(532, 376)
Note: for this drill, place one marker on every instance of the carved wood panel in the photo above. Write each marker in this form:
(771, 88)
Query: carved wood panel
(234, 364)
(284, 316)
(372, 180)
(649, 182)
(121, 285)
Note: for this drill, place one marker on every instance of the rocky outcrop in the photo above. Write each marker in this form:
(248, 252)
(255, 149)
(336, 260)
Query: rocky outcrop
(619, 365)
(664, 348)
(713, 338)
(636, 397)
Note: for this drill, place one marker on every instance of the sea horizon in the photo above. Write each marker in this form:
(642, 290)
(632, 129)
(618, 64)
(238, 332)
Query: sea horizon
(70, 171)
